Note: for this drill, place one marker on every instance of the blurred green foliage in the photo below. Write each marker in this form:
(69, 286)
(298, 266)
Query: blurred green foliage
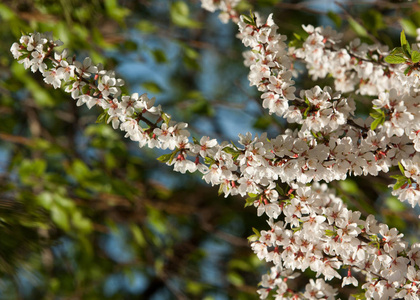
(85, 214)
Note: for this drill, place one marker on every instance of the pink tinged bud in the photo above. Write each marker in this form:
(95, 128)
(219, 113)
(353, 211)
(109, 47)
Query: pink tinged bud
(180, 157)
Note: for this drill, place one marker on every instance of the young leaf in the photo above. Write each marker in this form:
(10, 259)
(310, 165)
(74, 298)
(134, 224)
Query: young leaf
(220, 191)
(256, 231)
(247, 20)
(397, 50)
(376, 114)
(403, 39)
(232, 151)
(399, 184)
(209, 161)
(376, 123)
(102, 117)
(166, 117)
(397, 177)
(249, 201)
(395, 59)
(415, 56)
(400, 166)
(165, 158)
(405, 45)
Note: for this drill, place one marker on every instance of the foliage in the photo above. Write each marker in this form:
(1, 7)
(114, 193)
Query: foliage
(81, 211)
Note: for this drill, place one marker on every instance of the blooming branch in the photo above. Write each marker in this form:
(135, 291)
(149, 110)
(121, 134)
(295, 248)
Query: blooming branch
(309, 226)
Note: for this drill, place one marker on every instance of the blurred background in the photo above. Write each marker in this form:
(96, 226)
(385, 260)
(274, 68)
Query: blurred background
(86, 214)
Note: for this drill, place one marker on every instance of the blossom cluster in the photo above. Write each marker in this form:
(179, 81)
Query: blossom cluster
(226, 7)
(326, 114)
(319, 233)
(309, 237)
(309, 226)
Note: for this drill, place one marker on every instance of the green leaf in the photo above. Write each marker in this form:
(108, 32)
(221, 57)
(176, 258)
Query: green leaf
(398, 177)
(30, 171)
(360, 296)
(256, 231)
(293, 43)
(409, 27)
(400, 166)
(180, 15)
(45, 199)
(231, 151)
(59, 217)
(377, 114)
(262, 122)
(195, 288)
(376, 123)
(130, 45)
(6, 13)
(280, 190)
(349, 186)
(166, 118)
(235, 279)
(330, 233)
(159, 56)
(247, 20)
(399, 183)
(403, 39)
(115, 11)
(103, 117)
(152, 87)
(146, 26)
(373, 20)
(209, 161)
(80, 170)
(405, 45)
(252, 238)
(250, 20)
(335, 18)
(307, 110)
(297, 36)
(138, 235)
(250, 200)
(167, 157)
(415, 56)
(81, 223)
(220, 191)
(397, 50)
(359, 29)
(395, 59)
(394, 204)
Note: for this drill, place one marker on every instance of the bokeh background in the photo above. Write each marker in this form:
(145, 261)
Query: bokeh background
(86, 214)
